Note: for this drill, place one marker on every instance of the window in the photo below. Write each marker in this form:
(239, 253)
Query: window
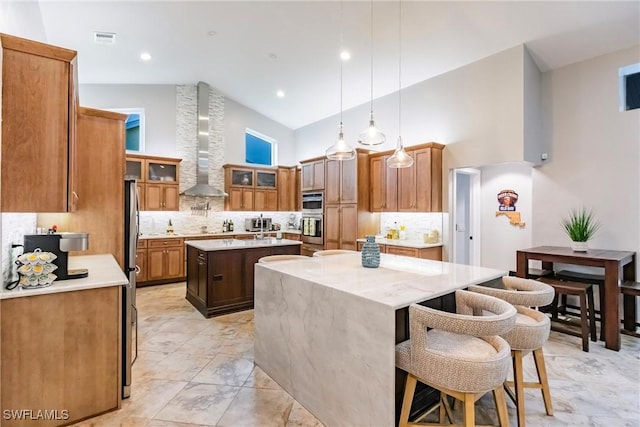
(259, 148)
(134, 128)
(629, 87)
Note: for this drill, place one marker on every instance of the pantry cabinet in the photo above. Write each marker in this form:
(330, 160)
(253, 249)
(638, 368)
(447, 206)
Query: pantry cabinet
(341, 230)
(38, 114)
(158, 181)
(340, 181)
(313, 174)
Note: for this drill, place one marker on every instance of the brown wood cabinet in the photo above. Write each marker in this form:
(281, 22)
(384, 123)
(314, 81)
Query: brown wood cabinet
(433, 253)
(38, 114)
(345, 222)
(61, 351)
(384, 184)
(420, 186)
(313, 174)
(414, 189)
(158, 181)
(165, 260)
(287, 188)
(251, 189)
(99, 207)
(220, 282)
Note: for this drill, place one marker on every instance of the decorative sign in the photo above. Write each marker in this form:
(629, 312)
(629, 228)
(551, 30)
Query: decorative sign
(507, 206)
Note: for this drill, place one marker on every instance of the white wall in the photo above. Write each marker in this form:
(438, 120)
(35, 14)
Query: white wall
(237, 118)
(158, 101)
(595, 155)
(22, 19)
(500, 239)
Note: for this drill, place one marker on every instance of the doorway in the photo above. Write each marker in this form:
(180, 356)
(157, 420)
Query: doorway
(466, 216)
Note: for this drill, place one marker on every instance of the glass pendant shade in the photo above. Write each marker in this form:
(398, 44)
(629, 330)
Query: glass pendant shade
(400, 158)
(372, 135)
(340, 150)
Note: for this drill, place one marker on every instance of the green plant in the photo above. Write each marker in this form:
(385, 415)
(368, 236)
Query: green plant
(581, 225)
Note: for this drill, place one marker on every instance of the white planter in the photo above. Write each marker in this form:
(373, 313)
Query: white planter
(579, 246)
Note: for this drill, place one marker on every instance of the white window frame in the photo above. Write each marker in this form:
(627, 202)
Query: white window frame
(272, 141)
(623, 72)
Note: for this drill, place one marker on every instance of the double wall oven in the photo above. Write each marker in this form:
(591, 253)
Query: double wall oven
(312, 222)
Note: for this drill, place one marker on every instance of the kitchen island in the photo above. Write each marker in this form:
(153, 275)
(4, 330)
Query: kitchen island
(60, 347)
(326, 328)
(220, 272)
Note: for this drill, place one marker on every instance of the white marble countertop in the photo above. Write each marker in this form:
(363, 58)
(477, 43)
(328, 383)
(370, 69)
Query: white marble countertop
(397, 283)
(228, 234)
(406, 243)
(227, 244)
(104, 272)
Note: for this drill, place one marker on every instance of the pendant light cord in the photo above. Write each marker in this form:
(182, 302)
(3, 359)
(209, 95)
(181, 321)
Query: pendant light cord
(341, 61)
(400, 69)
(371, 54)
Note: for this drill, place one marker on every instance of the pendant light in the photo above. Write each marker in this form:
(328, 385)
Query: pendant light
(371, 135)
(340, 150)
(400, 158)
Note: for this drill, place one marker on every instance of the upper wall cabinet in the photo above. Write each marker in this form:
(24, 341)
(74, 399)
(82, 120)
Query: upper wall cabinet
(39, 107)
(251, 189)
(414, 189)
(313, 174)
(158, 179)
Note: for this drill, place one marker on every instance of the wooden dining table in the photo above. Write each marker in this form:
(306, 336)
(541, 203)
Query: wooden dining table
(618, 265)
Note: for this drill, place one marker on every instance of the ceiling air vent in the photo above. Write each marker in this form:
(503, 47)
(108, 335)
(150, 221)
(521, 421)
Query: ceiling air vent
(101, 37)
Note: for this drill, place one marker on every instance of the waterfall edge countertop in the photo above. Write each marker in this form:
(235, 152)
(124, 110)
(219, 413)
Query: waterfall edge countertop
(104, 272)
(326, 328)
(228, 244)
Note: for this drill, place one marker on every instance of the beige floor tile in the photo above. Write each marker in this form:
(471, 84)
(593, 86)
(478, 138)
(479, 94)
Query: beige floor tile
(225, 369)
(175, 366)
(300, 417)
(255, 407)
(162, 423)
(163, 341)
(199, 404)
(258, 379)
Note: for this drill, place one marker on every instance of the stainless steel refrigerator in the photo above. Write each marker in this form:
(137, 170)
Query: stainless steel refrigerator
(129, 310)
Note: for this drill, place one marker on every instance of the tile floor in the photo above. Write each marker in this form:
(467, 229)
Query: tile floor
(193, 371)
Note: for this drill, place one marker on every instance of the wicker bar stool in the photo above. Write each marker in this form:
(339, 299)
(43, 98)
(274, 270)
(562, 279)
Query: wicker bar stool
(459, 354)
(529, 334)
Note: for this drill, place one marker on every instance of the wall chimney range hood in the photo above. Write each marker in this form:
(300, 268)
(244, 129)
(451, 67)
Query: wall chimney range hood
(202, 187)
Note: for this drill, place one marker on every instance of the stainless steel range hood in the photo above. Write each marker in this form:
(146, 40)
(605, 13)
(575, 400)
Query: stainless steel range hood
(202, 187)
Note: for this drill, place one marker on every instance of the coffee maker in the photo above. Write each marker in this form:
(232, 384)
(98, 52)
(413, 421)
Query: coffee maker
(60, 244)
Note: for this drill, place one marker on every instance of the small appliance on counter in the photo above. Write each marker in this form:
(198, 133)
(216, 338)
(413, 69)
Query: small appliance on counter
(60, 244)
(253, 224)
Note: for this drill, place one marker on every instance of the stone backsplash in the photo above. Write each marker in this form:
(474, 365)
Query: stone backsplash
(416, 223)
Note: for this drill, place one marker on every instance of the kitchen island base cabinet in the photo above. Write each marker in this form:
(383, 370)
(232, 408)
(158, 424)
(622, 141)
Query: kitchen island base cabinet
(221, 282)
(61, 352)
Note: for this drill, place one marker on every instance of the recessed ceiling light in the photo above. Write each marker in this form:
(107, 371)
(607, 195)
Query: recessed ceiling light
(211, 33)
(145, 56)
(345, 55)
(280, 94)
(273, 56)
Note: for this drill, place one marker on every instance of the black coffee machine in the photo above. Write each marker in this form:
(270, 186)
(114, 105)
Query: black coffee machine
(60, 244)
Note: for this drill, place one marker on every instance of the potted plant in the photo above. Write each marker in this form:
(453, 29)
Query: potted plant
(581, 225)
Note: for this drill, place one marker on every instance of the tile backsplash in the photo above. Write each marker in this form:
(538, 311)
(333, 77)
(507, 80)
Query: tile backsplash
(416, 223)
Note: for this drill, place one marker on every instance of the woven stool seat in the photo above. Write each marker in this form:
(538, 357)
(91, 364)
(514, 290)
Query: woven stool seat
(333, 252)
(461, 355)
(273, 258)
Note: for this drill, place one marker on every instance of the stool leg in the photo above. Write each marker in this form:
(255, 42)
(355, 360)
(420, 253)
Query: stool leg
(538, 357)
(592, 315)
(601, 298)
(518, 385)
(469, 410)
(584, 323)
(409, 390)
(501, 406)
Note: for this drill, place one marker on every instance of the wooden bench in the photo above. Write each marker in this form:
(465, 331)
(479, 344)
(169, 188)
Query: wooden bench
(630, 291)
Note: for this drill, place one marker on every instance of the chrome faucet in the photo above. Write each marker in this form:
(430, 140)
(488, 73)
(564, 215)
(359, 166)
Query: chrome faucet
(261, 235)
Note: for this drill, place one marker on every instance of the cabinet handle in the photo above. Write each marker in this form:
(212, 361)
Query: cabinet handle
(137, 269)
(217, 277)
(164, 243)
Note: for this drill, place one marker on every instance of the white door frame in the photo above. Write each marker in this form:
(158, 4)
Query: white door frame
(474, 213)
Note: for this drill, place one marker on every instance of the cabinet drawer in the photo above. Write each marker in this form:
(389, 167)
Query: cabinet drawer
(142, 243)
(163, 243)
(398, 250)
